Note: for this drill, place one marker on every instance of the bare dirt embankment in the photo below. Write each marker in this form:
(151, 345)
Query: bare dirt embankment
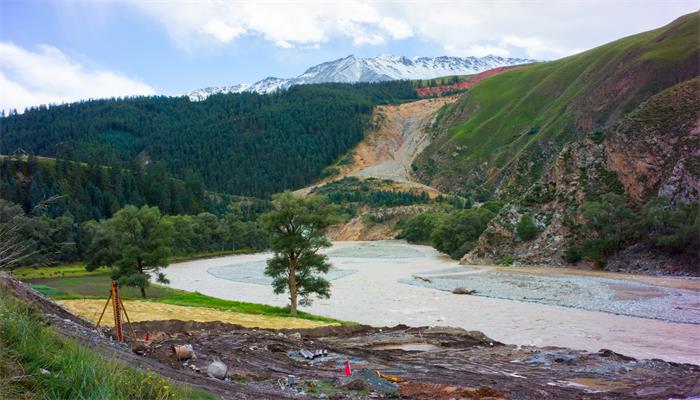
(398, 362)
(398, 136)
(388, 149)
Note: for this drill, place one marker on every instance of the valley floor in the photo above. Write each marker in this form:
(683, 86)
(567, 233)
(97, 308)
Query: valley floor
(427, 363)
(370, 291)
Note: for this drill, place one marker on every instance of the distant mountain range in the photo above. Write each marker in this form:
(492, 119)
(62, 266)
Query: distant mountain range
(353, 69)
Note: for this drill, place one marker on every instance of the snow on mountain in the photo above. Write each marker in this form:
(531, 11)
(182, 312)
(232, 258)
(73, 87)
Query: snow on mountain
(381, 68)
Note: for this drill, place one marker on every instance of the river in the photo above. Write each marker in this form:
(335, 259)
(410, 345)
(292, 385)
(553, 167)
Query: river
(375, 283)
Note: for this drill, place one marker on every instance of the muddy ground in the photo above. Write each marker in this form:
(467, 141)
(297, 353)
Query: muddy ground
(415, 363)
(433, 363)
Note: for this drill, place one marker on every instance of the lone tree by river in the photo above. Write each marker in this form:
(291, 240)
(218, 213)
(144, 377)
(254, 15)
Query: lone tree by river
(297, 234)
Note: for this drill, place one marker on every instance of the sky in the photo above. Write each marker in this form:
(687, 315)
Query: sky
(60, 51)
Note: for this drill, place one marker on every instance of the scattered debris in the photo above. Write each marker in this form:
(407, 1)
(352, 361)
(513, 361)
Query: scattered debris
(390, 378)
(459, 360)
(543, 357)
(371, 381)
(309, 355)
(139, 349)
(422, 278)
(463, 290)
(183, 352)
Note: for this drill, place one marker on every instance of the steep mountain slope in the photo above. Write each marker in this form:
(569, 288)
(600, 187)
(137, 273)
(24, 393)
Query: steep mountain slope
(499, 138)
(653, 151)
(353, 69)
(246, 144)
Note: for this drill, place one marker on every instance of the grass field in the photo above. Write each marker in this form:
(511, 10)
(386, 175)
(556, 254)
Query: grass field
(137, 310)
(72, 282)
(37, 363)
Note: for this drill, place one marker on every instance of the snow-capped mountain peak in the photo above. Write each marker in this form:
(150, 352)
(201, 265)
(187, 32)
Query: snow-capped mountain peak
(383, 67)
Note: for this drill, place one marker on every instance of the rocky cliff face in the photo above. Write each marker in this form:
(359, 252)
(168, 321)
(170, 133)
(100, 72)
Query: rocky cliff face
(653, 151)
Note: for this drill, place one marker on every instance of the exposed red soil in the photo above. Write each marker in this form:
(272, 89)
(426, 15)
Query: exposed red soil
(440, 90)
(440, 391)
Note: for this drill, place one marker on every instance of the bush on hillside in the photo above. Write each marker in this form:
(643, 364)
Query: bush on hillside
(612, 225)
(526, 228)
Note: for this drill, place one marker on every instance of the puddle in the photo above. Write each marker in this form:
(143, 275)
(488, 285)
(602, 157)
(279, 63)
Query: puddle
(377, 250)
(408, 347)
(254, 272)
(596, 385)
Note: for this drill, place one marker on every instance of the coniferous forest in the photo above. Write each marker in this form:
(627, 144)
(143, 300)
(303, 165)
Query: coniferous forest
(202, 164)
(245, 144)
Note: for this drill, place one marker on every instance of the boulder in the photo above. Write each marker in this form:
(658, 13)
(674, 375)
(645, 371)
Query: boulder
(217, 369)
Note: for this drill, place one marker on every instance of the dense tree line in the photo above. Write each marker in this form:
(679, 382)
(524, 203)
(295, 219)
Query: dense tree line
(91, 191)
(371, 192)
(52, 240)
(453, 232)
(612, 225)
(247, 143)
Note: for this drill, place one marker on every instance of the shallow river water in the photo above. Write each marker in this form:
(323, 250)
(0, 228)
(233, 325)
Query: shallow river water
(376, 283)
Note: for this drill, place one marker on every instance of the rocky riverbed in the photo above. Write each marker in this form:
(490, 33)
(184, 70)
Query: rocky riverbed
(615, 296)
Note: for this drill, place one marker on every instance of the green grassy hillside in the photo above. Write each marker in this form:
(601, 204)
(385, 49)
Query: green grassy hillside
(503, 133)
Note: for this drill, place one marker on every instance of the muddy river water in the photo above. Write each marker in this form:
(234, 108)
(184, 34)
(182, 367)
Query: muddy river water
(391, 282)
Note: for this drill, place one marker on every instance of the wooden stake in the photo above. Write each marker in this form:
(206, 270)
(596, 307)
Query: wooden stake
(104, 309)
(133, 334)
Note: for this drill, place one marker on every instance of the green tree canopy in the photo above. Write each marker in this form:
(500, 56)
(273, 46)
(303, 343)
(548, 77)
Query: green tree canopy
(526, 227)
(134, 243)
(297, 233)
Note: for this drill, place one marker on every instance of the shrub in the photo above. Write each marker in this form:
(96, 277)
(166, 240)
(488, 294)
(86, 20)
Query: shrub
(462, 250)
(572, 255)
(671, 230)
(458, 227)
(507, 260)
(494, 205)
(417, 229)
(596, 136)
(329, 171)
(526, 228)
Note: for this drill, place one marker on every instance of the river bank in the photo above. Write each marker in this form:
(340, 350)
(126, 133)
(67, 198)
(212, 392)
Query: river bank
(373, 294)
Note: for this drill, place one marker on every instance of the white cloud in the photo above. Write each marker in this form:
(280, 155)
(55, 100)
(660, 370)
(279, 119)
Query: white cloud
(536, 47)
(222, 31)
(537, 29)
(396, 28)
(476, 51)
(49, 76)
(284, 44)
(284, 24)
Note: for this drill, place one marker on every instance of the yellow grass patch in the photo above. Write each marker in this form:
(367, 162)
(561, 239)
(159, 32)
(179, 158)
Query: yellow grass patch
(90, 309)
